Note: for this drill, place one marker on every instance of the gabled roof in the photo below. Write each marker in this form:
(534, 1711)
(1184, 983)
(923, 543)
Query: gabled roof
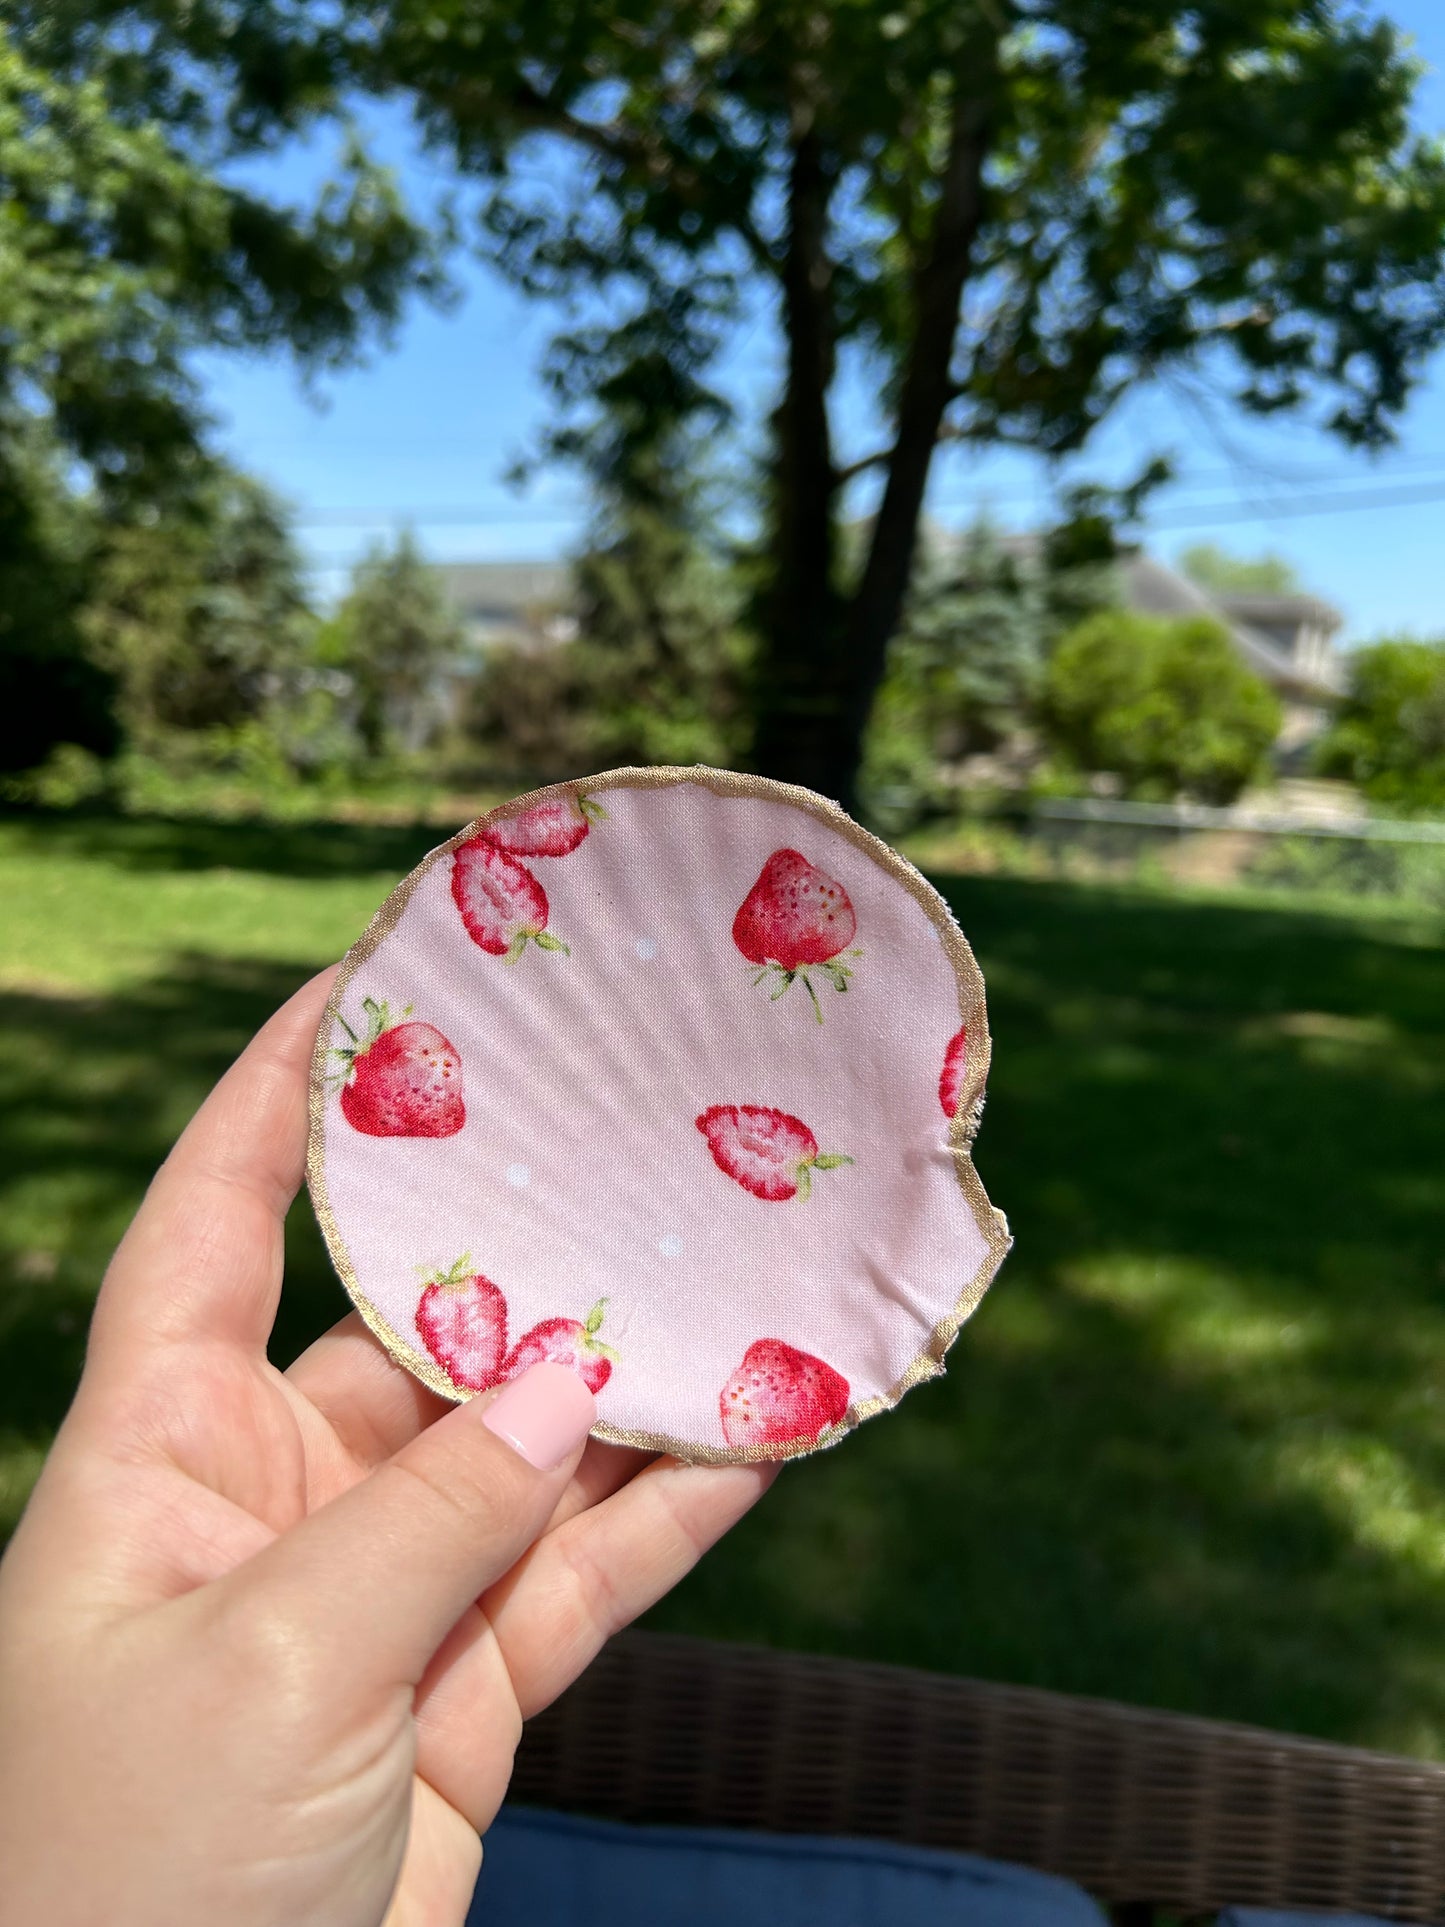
(1156, 589)
(505, 590)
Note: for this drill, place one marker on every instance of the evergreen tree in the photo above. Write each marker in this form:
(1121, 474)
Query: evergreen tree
(395, 637)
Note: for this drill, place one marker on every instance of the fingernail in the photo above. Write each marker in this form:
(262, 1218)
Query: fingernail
(545, 1414)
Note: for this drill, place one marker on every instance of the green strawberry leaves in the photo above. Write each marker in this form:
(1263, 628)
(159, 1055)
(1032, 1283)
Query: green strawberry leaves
(543, 939)
(838, 974)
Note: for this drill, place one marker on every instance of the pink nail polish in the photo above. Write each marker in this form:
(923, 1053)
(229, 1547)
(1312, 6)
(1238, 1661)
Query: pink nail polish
(545, 1414)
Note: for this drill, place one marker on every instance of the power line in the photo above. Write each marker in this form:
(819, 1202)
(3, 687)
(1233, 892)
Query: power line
(1180, 515)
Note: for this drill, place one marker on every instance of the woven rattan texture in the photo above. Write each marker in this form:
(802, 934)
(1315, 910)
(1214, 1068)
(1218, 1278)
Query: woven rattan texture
(1137, 1806)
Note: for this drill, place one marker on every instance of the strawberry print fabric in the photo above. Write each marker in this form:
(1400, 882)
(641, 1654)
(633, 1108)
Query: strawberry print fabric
(668, 1076)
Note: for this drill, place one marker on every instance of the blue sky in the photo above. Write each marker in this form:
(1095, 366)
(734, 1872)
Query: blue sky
(425, 432)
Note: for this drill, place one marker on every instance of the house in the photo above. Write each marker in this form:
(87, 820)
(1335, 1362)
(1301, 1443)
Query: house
(1287, 639)
(510, 604)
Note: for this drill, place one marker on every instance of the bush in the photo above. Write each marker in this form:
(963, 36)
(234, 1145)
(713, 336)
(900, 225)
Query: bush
(1389, 736)
(1167, 706)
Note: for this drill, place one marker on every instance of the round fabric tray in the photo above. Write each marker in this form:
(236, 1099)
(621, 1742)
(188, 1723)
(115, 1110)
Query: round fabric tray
(670, 1075)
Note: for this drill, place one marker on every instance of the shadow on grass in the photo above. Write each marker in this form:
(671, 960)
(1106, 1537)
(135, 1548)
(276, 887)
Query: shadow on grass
(1191, 1451)
(181, 844)
(92, 1094)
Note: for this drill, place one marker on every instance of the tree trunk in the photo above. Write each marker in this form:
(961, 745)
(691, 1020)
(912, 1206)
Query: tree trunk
(799, 688)
(877, 603)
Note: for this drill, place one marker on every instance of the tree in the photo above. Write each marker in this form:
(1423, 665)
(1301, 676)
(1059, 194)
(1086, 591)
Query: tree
(394, 637)
(53, 692)
(1007, 212)
(200, 609)
(129, 240)
(1166, 705)
(656, 672)
(1221, 573)
(1389, 734)
(659, 660)
(965, 668)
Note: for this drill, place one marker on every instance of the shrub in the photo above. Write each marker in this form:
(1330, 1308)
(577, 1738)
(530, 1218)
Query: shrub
(1167, 706)
(1389, 736)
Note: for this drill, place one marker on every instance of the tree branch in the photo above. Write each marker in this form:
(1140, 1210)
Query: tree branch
(617, 142)
(927, 383)
(881, 457)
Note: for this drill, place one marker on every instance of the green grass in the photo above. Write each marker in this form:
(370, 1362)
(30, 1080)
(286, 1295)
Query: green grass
(1191, 1450)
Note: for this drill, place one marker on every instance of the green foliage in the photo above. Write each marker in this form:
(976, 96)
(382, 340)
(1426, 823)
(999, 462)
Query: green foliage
(394, 638)
(1389, 734)
(974, 639)
(200, 612)
(1221, 573)
(963, 672)
(966, 669)
(1186, 174)
(1167, 706)
(656, 672)
(53, 693)
(129, 239)
(1007, 213)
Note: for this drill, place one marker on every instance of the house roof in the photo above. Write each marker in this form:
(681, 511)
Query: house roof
(504, 591)
(1265, 610)
(507, 593)
(1154, 588)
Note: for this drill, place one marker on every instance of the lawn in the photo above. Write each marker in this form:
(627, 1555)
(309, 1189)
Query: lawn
(1191, 1451)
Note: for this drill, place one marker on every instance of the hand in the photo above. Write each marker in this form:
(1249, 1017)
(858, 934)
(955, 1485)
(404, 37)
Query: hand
(267, 1639)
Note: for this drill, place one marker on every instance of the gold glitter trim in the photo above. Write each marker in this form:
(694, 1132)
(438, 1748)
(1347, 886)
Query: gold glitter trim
(972, 1013)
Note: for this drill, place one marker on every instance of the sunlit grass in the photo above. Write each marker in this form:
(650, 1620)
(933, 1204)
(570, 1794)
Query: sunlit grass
(1191, 1450)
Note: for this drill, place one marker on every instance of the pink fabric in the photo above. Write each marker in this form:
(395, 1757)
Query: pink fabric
(740, 1223)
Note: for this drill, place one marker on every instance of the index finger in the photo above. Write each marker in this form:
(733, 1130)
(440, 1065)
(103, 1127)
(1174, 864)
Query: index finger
(202, 1257)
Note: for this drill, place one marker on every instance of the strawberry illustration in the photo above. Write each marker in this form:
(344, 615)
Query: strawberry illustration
(401, 1079)
(462, 1318)
(796, 918)
(955, 1068)
(768, 1152)
(553, 828)
(779, 1394)
(565, 1341)
(503, 906)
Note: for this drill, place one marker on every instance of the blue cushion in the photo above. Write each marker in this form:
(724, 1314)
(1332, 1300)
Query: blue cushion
(557, 1870)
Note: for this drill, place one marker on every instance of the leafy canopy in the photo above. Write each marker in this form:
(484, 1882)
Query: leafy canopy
(1157, 178)
(130, 237)
(1003, 214)
(200, 609)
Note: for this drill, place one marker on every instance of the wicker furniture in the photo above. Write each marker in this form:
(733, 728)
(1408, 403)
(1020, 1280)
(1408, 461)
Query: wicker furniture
(1145, 1809)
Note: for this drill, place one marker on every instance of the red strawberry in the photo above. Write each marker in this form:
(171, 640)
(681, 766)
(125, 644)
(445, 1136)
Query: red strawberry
(462, 1318)
(793, 917)
(955, 1067)
(564, 1341)
(553, 828)
(503, 906)
(779, 1394)
(402, 1080)
(770, 1153)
